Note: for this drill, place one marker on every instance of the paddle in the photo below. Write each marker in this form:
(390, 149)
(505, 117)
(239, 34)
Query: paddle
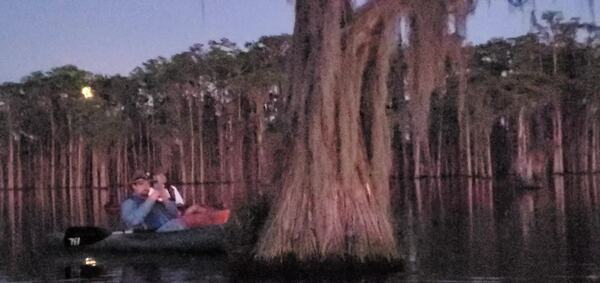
(87, 235)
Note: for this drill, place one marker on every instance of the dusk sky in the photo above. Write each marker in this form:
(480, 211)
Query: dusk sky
(115, 36)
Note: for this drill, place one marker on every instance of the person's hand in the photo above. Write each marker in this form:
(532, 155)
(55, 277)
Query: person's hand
(164, 194)
(154, 195)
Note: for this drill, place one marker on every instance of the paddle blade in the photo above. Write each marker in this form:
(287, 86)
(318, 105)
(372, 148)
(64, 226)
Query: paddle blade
(85, 235)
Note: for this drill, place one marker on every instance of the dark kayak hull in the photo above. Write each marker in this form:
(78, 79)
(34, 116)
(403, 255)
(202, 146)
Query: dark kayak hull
(197, 240)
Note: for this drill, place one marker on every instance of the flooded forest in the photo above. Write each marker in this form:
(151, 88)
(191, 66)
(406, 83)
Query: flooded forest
(222, 117)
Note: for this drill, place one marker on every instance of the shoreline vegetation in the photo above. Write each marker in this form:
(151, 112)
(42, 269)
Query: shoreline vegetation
(310, 129)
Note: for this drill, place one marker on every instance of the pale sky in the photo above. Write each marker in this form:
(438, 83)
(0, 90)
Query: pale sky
(115, 36)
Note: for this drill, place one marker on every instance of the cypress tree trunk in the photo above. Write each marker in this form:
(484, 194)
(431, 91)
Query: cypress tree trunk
(488, 145)
(95, 181)
(192, 155)
(11, 206)
(80, 195)
(2, 184)
(582, 146)
(424, 54)
(476, 156)
(182, 169)
(140, 148)
(52, 187)
(523, 166)
(2, 188)
(201, 140)
(70, 153)
(19, 169)
(63, 175)
(103, 168)
(595, 147)
(10, 170)
(222, 140)
(335, 197)
(120, 181)
(42, 188)
(521, 161)
(52, 150)
(440, 141)
(149, 162)
(465, 141)
(259, 102)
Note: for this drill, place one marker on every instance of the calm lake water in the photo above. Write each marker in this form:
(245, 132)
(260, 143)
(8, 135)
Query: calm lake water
(464, 230)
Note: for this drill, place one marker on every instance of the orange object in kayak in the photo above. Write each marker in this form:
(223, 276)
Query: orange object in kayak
(220, 216)
(211, 217)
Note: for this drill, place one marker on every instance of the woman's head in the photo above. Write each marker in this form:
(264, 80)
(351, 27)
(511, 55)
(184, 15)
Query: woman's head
(159, 179)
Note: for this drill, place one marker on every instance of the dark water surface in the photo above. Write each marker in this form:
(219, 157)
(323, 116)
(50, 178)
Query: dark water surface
(462, 230)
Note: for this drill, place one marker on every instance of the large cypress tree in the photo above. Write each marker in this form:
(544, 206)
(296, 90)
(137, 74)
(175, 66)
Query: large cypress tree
(335, 197)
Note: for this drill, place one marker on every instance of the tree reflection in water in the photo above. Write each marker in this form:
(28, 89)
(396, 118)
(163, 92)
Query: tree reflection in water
(448, 229)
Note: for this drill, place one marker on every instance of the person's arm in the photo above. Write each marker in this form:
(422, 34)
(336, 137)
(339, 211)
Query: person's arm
(134, 215)
(171, 208)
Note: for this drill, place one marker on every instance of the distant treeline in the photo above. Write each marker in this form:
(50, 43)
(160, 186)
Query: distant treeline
(218, 113)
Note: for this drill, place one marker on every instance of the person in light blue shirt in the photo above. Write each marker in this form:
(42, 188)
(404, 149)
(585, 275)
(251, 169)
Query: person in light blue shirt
(147, 209)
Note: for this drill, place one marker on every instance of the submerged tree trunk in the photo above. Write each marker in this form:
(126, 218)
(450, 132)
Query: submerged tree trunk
(192, 156)
(424, 54)
(10, 169)
(334, 201)
(19, 169)
(52, 150)
(201, 161)
(335, 197)
(557, 164)
(523, 166)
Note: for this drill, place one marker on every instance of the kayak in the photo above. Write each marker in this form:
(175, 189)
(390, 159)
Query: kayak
(205, 235)
(196, 240)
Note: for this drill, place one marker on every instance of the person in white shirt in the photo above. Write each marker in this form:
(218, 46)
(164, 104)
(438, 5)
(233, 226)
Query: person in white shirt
(159, 183)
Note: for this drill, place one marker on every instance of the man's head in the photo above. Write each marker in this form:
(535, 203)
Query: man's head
(140, 183)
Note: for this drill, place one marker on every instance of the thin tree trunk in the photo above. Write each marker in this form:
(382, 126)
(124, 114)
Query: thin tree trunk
(582, 146)
(104, 162)
(465, 145)
(2, 183)
(192, 155)
(52, 150)
(554, 59)
(19, 168)
(557, 136)
(405, 161)
(488, 145)
(120, 181)
(476, 156)
(155, 162)
(438, 170)
(52, 188)
(260, 152)
(181, 149)
(140, 151)
(80, 190)
(149, 161)
(95, 167)
(43, 177)
(11, 162)
(3, 189)
(95, 185)
(595, 144)
(523, 167)
(202, 162)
